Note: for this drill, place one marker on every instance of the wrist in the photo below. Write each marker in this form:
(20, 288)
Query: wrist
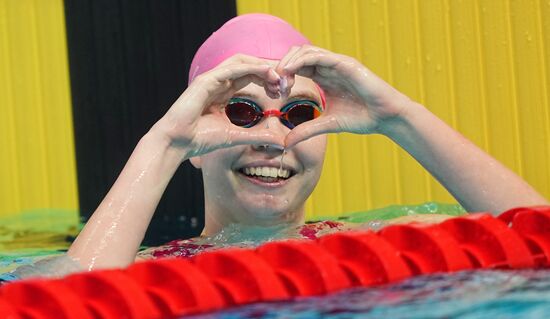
(403, 122)
(161, 136)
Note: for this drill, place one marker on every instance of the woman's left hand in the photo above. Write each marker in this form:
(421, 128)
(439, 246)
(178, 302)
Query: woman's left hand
(358, 101)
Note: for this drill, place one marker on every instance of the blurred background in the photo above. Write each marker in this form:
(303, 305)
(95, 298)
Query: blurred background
(81, 81)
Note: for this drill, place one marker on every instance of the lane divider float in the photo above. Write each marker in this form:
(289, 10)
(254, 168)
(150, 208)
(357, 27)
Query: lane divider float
(518, 238)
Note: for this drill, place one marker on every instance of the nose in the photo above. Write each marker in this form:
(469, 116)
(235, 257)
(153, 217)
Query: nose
(273, 124)
(274, 148)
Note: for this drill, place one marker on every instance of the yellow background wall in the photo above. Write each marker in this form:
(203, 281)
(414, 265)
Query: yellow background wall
(482, 66)
(37, 161)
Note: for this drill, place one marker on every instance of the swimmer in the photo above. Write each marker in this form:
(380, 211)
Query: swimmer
(252, 98)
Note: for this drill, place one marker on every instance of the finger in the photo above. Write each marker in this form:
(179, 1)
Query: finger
(273, 91)
(312, 59)
(286, 82)
(218, 82)
(223, 137)
(305, 50)
(280, 66)
(242, 136)
(243, 58)
(273, 77)
(321, 125)
(288, 75)
(235, 71)
(246, 80)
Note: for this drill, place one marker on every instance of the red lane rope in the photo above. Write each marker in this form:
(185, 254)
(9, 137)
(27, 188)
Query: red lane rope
(518, 238)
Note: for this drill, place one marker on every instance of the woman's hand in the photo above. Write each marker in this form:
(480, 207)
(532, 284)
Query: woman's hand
(358, 101)
(196, 122)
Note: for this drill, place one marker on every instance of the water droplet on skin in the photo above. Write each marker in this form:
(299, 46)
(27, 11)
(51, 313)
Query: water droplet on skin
(283, 86)
(281, 165)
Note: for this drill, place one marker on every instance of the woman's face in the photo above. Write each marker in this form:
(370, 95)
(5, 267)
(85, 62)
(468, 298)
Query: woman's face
(234, 193)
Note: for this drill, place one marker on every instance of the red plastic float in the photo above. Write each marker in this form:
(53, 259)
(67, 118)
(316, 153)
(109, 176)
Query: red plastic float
(112, 294)
(176, 286)
(489, 242)
(518, 238)
(241, 275)
(533, 224)
(426, 249)
(304, 267)
(377, 263)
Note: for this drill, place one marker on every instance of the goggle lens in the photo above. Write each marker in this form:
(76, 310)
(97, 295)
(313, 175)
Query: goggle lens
(297, 114)
(242, 113)
(245, 113)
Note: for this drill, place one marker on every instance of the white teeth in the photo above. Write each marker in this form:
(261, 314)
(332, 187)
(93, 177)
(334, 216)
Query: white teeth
(267, 172)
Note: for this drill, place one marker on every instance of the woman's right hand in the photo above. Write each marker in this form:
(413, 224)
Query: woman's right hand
(196, 122)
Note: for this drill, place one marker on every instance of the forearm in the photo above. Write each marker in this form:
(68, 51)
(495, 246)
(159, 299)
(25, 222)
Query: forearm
(113, 234)
(475, 179)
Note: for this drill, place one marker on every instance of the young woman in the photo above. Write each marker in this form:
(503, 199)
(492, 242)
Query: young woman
(259, 91)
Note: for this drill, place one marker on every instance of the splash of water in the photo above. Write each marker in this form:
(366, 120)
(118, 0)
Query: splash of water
(281, 163)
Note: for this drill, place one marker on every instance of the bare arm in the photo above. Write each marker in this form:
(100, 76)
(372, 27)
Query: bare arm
(112, 236)
(475, 179)
(362, 103)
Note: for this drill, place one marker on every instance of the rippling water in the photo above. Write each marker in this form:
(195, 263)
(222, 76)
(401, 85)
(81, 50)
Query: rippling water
(468, 294)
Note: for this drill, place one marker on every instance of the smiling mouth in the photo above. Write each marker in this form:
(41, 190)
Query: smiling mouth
(267, 174)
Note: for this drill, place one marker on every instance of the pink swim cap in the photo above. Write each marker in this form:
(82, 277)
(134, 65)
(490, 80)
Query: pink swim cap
(256, 34)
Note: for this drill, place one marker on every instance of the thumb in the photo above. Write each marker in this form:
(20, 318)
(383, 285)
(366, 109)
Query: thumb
(321, 125)
(241, 136)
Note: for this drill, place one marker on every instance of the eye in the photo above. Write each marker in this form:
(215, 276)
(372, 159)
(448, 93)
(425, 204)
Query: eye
(241, 113)
(301, 113)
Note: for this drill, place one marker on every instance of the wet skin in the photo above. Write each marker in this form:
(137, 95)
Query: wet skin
(257, 200)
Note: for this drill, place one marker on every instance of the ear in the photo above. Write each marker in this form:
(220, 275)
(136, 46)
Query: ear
(196, 162)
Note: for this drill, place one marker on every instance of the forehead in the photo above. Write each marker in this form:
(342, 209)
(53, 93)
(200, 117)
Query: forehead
(303, 86)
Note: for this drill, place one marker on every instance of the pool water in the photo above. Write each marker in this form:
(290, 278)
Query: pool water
(33, 235)
(466, 294)
(235, 235)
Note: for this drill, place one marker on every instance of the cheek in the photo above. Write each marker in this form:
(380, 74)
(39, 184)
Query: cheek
(220, 160)
(312, 151)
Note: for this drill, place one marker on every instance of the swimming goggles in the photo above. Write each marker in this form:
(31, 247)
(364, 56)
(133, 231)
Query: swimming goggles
(246, 113)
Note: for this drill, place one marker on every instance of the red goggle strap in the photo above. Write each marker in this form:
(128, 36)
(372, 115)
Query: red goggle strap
(276, 113)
